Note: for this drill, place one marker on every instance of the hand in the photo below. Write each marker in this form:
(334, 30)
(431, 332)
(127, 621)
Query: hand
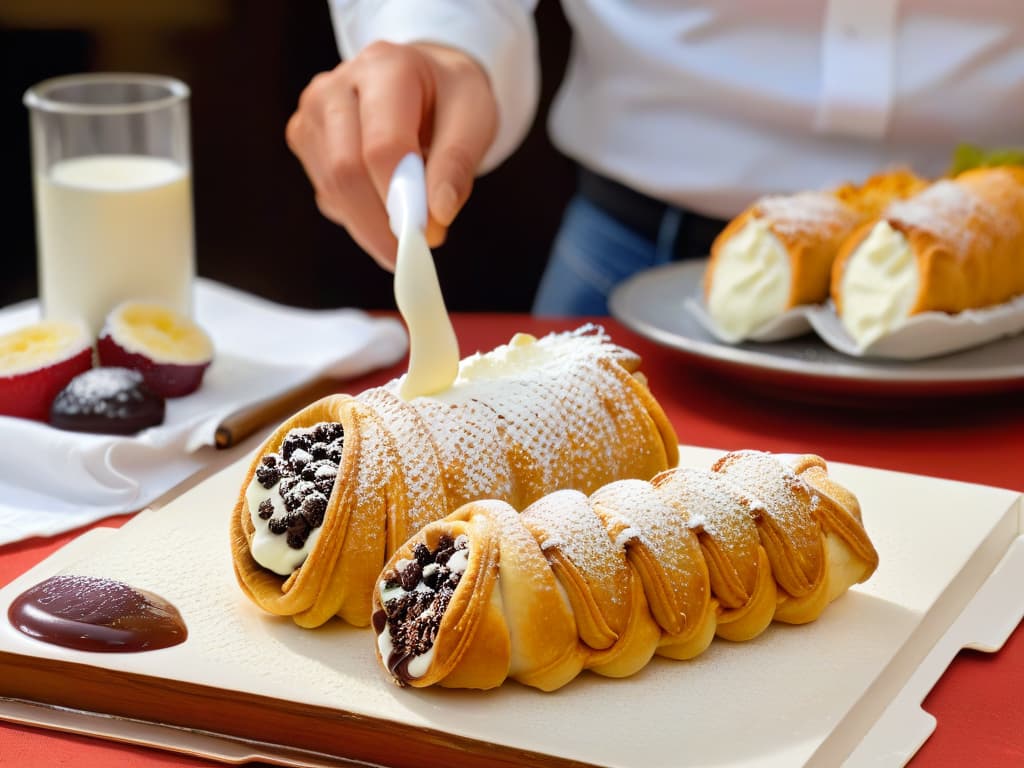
(355, 123)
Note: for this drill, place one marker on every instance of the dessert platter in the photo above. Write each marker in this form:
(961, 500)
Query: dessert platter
(906, 284)
(627, 603)
(650, 304)
(510, 559)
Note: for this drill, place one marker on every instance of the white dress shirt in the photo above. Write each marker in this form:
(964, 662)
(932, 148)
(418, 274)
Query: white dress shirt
(709, 105)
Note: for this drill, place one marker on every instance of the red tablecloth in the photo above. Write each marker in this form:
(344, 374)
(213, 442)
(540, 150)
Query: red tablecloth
(978, 702)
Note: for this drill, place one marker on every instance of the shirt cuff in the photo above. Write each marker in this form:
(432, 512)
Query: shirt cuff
(499, 34)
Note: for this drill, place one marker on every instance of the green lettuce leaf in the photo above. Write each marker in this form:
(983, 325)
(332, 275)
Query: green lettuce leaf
(967, 156)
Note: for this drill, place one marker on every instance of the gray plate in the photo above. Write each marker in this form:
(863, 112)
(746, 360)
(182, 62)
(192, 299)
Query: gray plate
(651, 303)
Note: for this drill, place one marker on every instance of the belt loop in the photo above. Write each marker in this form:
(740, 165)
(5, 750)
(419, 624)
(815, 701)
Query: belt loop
(668, 235)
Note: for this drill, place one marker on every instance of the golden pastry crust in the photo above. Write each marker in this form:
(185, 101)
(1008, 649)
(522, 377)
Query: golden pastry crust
(607, 581)
(813, 227)
(966, 235)
(667, 557)
(582, 421)
(739, 572)
(337, 577)
(879, 191)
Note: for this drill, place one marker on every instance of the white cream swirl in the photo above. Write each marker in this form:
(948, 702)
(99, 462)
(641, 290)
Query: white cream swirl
(751, 280)
(879, 285)
(269, 549)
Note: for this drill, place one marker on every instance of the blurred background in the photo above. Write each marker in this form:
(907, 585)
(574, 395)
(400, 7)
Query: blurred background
(257, 226)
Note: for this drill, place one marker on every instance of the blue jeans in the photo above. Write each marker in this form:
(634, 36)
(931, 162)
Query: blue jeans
(592, 252)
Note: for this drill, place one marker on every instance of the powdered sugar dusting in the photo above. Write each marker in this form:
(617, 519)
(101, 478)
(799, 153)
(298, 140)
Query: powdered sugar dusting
(626, 535)
(805, 212)
(778, 492)
(516, 542)
(715, 507)
(470, 449)
(520, 551)
(527, 418)
(662, 529)
(118, 396)
(942, 209)
(103, 383)
(954, 213)
(373, 475)
(424, 495)
(565, 521)
(564, 576)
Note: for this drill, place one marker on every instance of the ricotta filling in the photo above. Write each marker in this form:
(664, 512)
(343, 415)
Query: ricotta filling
(751, 281)
(879, 285)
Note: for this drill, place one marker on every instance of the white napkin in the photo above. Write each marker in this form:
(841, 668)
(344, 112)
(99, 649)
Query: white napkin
(52, 480)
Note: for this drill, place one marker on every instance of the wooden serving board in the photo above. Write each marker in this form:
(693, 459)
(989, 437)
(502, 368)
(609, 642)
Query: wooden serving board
(794, 696)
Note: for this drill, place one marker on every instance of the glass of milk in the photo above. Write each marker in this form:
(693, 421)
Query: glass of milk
(113, 193)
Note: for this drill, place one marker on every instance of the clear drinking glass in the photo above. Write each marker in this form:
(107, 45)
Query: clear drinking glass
(113, 193)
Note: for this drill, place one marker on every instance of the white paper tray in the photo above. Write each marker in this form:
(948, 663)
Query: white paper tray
(845, 688)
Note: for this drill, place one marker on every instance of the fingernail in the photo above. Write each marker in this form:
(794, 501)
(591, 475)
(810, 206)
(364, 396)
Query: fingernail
(444, 203)
(435, 233)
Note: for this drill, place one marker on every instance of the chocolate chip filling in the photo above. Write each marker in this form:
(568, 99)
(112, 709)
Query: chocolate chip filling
(415, 595)
(304, 472)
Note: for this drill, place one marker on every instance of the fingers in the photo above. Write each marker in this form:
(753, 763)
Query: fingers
(462, 132)
(354, 124)
(346, 193)
(326, 136)
(392, 111)
(436, 234)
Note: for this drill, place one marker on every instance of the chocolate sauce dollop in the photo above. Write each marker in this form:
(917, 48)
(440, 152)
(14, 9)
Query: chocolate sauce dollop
(89, 613)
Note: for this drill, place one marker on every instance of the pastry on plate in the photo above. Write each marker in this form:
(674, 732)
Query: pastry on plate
(337, 488)
(606, 581)
(957, 245)
(778, 253)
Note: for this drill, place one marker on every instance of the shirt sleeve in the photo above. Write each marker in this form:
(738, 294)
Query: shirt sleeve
(499, 34)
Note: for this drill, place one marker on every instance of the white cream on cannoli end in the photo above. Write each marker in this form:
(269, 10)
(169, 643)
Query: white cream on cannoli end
(751, 281)
(524, 356)
(268, 549)
(301, 476)
(417, 592)
(879, 285)
(522, 353)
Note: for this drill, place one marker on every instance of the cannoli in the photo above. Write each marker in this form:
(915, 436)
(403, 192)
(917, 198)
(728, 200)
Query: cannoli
(957, 245)
(778, 253)
(607, 581)
(337, 488)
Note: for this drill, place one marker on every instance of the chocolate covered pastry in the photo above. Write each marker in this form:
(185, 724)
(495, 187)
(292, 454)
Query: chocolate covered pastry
(113, 401)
